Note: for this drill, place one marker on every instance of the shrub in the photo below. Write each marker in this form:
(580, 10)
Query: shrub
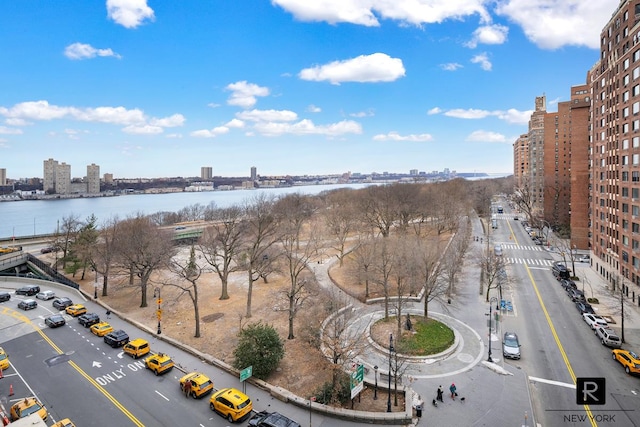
(259, 346)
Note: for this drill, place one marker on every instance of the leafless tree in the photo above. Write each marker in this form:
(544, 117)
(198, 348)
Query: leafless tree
(340, 221)
(261, 233)
(297, 210)
(105, 251)
(220, 243)
(297, 256)
(193, 212)
(187, 272)
(364, 257)
(524, 199)
(68, 232)
(401, 274)
(493, 270)
(377, 208)
(382, 269)
(143, 248)
(427, 265)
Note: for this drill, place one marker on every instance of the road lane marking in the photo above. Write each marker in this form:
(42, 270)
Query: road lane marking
(113, 400)
(162, 395)
(558, 343)
(552, 382)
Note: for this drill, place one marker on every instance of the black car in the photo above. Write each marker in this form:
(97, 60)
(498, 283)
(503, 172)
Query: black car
(576, 295)
(272, 419)
(54, 321)
(88, 319)
(584, 307)
(28, 304)
(568, 284)
(62, 303)
(116, 338)
(5, 296)
(29, 290)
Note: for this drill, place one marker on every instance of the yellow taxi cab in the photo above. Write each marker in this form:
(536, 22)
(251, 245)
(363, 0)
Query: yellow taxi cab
(628, 359)
(26, 407)
(137, 348)
(231, 403)
(196, 384)
(76, 310)
(159, 363)
(101, 329)
(4, 359)
(64, 423)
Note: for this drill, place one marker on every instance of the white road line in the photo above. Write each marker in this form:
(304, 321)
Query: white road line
(161, 395)
(552, 382)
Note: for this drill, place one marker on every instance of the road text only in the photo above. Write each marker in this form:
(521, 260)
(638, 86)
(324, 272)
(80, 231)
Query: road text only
(119, 373)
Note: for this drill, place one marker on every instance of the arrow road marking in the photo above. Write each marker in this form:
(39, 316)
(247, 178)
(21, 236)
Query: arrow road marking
(96, 364)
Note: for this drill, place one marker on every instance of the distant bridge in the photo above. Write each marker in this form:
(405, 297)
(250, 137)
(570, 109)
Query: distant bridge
(187, 236)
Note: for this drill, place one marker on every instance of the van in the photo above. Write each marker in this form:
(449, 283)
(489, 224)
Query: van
(608, 337)
(137, 348)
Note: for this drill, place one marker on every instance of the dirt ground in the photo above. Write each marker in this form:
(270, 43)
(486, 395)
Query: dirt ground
(222, 319)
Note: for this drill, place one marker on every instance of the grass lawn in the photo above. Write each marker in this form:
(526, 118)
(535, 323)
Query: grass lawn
(431, 337)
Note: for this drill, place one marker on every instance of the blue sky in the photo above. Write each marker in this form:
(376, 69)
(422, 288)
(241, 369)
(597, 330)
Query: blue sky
(152, 88)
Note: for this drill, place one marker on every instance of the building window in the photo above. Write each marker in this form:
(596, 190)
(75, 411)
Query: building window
(625, 79)
(635, 245)
(625, 112)
(636, 90)
(636, 73)
(625, 176)
(635, 107)
(625, 208)
(625, 240)
(635, 210)
(636, 141)
(635, 176)
(626, 63)
(636, 159)
(625, 160)
(625, 96)
(625, 129)
(625, 192)
(625, 256)
(635, 227)
(625, 224)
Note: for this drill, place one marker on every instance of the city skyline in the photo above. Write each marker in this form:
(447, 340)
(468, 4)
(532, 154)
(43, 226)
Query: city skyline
(159, 88)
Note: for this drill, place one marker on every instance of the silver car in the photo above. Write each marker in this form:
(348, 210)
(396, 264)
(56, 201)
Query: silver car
(511, 346)
(46, 295)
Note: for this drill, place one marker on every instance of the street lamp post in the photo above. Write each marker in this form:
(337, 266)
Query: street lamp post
(156, 294)
(493, 299)
(95, 286)
(375, 388)
(390, 355)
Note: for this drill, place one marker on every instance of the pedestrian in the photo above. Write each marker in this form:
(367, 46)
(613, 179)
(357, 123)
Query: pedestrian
(108, 313)
(440, 393)
(187, 388)
(452, 389)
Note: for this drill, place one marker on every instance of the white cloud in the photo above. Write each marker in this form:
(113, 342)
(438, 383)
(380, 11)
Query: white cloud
(366, 12)
(314, 109)
(450, 66)
(244, 94)
(129, 13)
(483, 60)
(14, 121)
(359, 114)
(213, 105)
(467, 114)
(434, 110)
(210, 133)
(235, 123)
(268, 115)
(9, 131)
(489, 34)
(84, 51)
(174, 135)
(377, 67)
(142, 130)
(511, 115)
(307, 127)
(395, 136)
(553, 24)
(486, 136)
(168, 122)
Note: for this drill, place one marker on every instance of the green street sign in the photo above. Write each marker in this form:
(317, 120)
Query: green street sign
(357, 380)
(246, 373)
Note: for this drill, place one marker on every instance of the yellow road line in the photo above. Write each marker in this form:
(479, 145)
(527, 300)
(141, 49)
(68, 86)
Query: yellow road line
(558, 343)
(101, 389)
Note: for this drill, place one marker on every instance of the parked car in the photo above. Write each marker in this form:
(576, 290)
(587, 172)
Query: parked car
(116, 338)
(576, 295)
(584, 258)
(568, 284)
(26, 407)
(54, 321)
(231, 403)
(159, 363)
(62, 303)
(271, 419)
(560, 271)
(584, 307)
(199, 384)
(46, 295)
(5, 296)
(137, 348)
(628, 359)
(4, 359)
(89, 319)
(511, 346)
(593, 320)
(28, 304)
(608, 337)
(29, 290)
(497, 249)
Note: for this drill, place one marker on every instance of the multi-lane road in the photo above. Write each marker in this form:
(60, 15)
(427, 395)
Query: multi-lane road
(557, 345)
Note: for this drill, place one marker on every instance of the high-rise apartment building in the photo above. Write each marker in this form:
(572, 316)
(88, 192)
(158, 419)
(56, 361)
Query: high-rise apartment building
(63, 179)
(206, 172)
(521, 160)
(49, 176)
(254, 173)
(615, 147)
(535, 137)
(93, 179)
(3, 176)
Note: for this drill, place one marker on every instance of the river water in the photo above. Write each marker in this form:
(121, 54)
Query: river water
(34, 217)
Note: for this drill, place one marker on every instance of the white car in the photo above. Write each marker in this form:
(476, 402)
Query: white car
(593, 320)
(584, 258)
(46, 295)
